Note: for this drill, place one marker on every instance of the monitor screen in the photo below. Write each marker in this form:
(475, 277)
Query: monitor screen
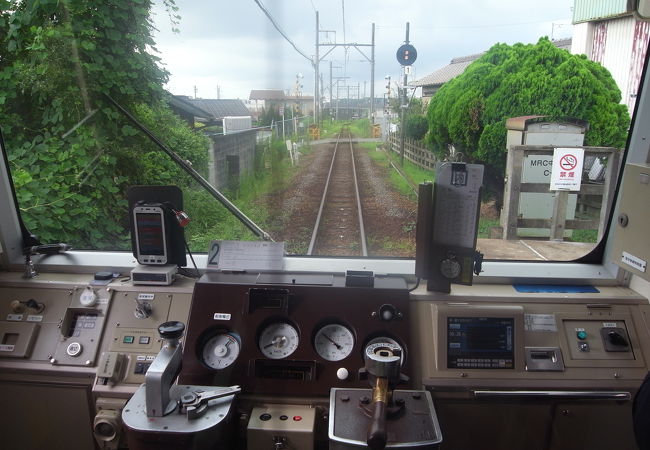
(150, 233)
(480, 342)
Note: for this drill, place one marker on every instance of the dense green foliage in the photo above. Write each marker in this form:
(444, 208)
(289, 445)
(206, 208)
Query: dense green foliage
(469, 112)
(416, 126)
(72, 155)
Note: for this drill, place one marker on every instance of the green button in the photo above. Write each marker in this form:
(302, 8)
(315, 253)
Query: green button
(582, 335)
(128, 339)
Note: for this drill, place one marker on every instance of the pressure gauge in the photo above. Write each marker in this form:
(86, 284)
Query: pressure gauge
(377, 344)
(221, 350)
(278, 340)
(334, 342)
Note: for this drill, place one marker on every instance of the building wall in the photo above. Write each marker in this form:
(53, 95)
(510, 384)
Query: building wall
(620, 45)
(588, 10)
(231, 157)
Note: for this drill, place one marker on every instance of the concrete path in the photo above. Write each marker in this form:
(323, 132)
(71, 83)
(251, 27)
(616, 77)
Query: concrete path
(532, 249)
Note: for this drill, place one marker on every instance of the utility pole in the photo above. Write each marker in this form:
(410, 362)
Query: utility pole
(348, 104)
(372, 77)
(359, 100)
(316, 76)
(403, 105)
(322, 94)
(330, 84)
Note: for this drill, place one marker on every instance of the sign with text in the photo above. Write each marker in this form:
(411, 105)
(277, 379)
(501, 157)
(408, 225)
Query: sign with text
(246, 255)
(566, 173)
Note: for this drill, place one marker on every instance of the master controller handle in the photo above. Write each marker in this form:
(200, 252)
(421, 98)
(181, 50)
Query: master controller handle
(163, 370)
(171, 330)
(383, 362)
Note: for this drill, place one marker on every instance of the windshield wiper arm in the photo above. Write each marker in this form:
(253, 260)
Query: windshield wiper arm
(194, 174)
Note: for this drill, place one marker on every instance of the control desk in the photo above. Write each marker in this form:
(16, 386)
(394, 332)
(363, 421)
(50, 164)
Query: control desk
(504, 369)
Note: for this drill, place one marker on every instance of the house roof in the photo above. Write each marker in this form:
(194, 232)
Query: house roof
(449, 72)
(267, 94)
(458, 66)
(182, 103)
(220, 108)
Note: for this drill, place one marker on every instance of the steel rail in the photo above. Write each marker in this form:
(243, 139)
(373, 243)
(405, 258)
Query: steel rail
(364, 248)
(314, 233)
(362, 235)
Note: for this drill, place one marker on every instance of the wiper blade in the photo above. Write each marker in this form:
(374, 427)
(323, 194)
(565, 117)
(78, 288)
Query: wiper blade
(252, 226)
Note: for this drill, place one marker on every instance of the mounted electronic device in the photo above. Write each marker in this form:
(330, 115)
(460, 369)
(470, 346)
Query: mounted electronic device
(448, 214)
(157, 236)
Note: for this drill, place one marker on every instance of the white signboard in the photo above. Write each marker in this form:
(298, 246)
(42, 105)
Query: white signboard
(566, 173)
(246, 255)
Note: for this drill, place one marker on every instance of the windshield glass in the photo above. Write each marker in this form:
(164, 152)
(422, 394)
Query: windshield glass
(319, 120)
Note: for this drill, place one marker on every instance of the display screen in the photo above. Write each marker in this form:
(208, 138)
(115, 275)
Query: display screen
(151, 240)
(480, 342)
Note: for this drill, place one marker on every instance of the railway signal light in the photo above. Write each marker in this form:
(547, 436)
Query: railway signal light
(406, 55)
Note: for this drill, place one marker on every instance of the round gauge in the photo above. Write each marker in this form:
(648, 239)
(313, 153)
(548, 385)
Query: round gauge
(221, 350)
(334, 342)
(378, 343)
(278, 340)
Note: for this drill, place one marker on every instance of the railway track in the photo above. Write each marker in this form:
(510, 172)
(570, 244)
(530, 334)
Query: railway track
(339, 229)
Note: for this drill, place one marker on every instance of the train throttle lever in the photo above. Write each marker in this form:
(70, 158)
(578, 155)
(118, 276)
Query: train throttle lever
(383, 363)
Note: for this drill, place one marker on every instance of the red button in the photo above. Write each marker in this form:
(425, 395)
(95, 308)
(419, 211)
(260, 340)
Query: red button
(297, 418)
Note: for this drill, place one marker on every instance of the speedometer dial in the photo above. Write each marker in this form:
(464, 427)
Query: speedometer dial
(334, 342)
(278, 340)
(221, 351)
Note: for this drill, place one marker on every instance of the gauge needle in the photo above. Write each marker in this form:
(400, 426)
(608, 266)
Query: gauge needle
(277, 341)
(338, 346)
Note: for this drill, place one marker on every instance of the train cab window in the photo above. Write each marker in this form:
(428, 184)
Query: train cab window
(332, 115)
(391, 151)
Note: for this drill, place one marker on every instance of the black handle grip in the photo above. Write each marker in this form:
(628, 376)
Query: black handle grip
(171, 330)
(377, 436)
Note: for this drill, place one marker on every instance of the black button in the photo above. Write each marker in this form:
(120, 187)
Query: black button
(283, 417)
(139, 368)
(265, 417)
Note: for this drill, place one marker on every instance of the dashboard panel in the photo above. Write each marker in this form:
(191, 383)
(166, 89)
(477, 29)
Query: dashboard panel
(560, 369)
(291, 333)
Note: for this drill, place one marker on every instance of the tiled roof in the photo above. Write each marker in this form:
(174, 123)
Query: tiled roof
(267, 94)
(220, 108)
(450, 71)
(183, 103)
(458, 66)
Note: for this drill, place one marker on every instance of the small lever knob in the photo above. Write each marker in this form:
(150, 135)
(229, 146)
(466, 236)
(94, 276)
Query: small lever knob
(171, 330)
(617, 338)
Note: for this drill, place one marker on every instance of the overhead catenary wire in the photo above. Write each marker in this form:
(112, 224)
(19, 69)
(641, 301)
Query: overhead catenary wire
(284, 35)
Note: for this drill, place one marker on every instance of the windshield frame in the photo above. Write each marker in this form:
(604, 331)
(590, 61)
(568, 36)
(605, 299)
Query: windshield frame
(603, 272)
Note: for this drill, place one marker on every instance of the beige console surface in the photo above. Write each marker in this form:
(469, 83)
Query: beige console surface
(537, 371)
(67, 344)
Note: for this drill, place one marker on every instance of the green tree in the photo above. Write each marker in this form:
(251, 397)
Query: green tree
(469, 112)
(415, 126)
(72, 155)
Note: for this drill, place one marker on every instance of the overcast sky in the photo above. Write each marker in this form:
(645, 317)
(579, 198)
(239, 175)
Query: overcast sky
(233, 45)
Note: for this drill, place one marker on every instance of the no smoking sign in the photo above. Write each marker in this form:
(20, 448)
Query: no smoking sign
(566, 172)
(568, 162)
